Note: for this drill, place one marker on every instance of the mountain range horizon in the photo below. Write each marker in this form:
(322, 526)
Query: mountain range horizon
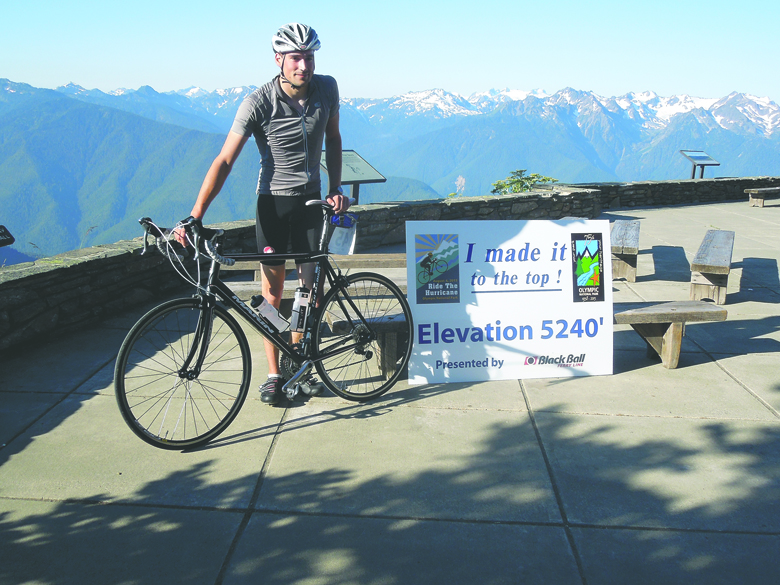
(453, 103)
(513, 94)
(80, 166)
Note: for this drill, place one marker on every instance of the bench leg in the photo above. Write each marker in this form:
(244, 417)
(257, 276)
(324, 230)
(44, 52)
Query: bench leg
(387, 345)
(624, 266)
(663, 340)
(756, 201)
(709, 286)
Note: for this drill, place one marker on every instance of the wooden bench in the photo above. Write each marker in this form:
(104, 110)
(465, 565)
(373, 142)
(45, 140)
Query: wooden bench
(663, 326)
(624, 239)
(756, 196)
(387, 329)
(711, 266)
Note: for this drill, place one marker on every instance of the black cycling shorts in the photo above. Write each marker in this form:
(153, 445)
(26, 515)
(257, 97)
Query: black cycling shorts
(285, 224)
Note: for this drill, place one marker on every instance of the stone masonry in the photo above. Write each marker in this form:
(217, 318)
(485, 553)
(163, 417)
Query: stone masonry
(64, 292)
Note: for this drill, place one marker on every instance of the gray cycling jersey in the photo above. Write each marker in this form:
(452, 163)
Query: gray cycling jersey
(290, 143)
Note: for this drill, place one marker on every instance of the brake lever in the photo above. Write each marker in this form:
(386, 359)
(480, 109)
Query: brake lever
(144, 221)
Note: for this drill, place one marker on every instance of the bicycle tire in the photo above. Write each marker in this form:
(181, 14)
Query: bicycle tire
(370, 313)
(156, 403)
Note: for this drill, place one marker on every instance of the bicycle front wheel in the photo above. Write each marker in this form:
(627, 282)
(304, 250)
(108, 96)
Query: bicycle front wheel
(158, 400)
(362, 337)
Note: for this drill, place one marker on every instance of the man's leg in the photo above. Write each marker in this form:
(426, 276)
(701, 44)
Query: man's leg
(310, 386)
(273, 287)
(305, 279)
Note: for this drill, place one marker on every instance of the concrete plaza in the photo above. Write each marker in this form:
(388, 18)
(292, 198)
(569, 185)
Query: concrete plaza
(646, 476)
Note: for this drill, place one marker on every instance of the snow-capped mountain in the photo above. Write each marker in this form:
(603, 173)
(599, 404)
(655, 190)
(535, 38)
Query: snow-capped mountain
(738, 112)
(648, 109)
(435, 103)
(222, 103)
(487, 101)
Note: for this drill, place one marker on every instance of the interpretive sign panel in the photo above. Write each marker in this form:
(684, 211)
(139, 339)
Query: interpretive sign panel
(355, 170)
(495, 300)
(6, 239)
(700, 159)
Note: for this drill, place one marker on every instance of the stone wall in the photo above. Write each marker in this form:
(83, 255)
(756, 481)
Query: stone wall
(381, 224)
(83, 287)
(662, 193)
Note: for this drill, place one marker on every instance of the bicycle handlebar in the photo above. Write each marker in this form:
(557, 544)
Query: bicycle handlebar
(324, 203)
(190, 225)
(209, 236)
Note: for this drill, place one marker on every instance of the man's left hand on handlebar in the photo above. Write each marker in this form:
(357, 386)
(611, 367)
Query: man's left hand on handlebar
(180, 233)
(339, 202)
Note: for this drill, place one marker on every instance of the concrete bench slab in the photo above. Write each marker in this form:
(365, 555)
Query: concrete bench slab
(662, 326)
(711, 266)
(624, 241)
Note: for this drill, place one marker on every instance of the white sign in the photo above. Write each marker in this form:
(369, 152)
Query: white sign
(496, 300)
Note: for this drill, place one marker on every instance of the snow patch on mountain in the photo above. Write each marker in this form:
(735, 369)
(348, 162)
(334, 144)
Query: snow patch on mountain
(437, 102)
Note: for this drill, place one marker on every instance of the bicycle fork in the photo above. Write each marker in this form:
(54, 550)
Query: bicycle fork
(200, 343)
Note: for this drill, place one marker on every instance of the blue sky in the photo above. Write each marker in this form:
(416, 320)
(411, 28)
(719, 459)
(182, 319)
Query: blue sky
(705, 49)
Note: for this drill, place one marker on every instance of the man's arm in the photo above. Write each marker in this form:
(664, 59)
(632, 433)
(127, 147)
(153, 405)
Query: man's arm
(333, 162)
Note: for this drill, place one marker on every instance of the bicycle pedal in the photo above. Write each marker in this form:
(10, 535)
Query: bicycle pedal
(292, 392)
(312, 389)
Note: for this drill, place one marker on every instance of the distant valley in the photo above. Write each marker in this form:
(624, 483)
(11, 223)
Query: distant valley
(80, 166)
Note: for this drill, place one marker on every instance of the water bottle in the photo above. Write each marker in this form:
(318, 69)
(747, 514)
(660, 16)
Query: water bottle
(267, 310)
(300, 309)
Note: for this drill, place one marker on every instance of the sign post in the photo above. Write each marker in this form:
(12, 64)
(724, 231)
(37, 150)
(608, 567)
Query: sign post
(700, 159)
(495, 300)
(355, 171)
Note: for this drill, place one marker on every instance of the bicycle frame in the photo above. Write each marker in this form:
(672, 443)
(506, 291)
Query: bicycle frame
(217, 289)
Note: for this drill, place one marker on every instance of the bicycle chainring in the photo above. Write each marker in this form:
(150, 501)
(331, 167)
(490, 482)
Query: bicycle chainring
(288, 367)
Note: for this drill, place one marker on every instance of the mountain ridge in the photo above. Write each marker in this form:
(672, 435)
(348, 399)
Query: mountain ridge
(647, 105)
(80, 166)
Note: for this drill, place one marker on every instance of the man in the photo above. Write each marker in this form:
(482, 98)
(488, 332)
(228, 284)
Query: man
(289, 118)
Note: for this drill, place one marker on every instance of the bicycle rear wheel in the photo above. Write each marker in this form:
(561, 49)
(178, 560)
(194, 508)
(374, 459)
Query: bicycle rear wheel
(165, 408)
(362, 337)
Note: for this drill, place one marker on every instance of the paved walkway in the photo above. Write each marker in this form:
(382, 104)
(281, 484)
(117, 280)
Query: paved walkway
(646, 476)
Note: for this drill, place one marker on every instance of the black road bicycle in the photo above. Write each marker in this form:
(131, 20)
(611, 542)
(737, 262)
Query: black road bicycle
(184, 370)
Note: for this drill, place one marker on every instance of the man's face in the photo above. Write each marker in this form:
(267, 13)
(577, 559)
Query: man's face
(298, 67)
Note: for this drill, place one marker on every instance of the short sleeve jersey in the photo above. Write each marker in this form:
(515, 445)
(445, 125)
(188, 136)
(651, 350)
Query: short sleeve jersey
(290, 143)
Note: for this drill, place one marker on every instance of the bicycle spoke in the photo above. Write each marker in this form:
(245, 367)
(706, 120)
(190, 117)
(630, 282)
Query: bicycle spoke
(356, 325)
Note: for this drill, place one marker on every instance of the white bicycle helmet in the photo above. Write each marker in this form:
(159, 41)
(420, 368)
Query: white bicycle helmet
(295, 37)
